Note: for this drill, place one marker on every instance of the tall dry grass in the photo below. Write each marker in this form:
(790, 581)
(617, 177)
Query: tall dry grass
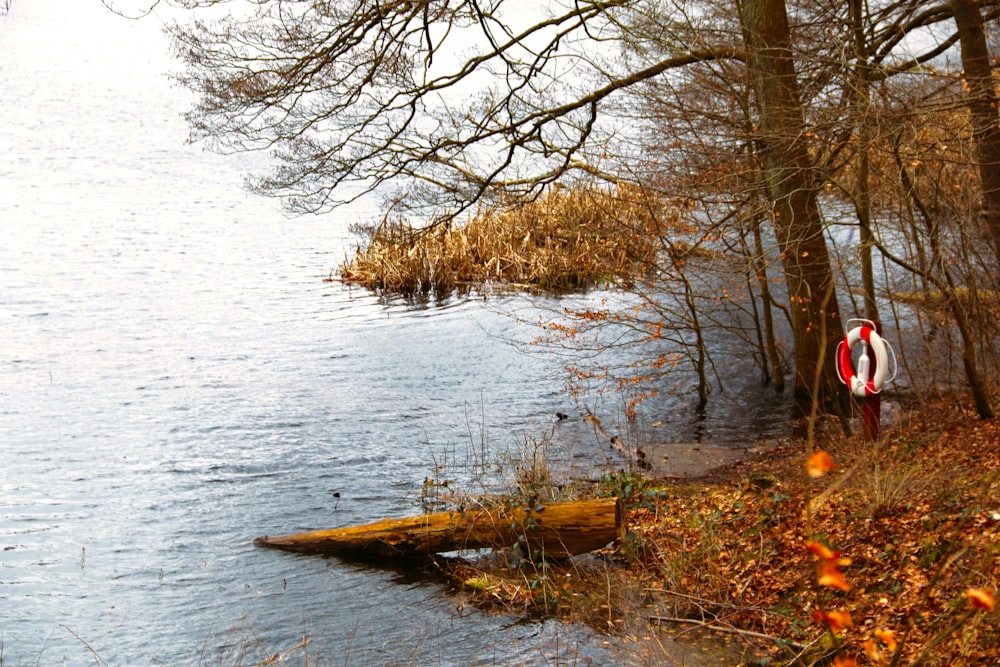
(568, 238)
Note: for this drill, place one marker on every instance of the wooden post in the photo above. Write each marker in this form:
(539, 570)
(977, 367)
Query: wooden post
(556, 531)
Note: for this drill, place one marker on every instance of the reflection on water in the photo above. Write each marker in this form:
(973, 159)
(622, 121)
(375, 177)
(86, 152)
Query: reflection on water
(177, 378)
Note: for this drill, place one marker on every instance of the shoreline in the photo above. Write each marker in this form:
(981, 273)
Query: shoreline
(724, 552)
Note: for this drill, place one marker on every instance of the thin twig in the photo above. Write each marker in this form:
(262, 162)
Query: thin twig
(280, 657)
(728, 629)
(704, 602)
(100, 661)
(941, 636)
(798, 656)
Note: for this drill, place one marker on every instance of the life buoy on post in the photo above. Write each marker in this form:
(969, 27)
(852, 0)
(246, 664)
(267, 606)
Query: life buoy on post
(863, 382)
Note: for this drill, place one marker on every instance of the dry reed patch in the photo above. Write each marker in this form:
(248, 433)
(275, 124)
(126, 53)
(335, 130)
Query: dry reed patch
(568, 238)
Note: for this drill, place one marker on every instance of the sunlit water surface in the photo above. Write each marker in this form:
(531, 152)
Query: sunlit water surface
(176, 378)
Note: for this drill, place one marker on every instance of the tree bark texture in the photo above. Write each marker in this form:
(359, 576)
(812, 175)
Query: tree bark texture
(553, 531)
(786, 164)
(982, 102)
(865, 128)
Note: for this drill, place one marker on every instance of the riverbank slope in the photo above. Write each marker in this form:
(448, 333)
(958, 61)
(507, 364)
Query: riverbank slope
(912, 525)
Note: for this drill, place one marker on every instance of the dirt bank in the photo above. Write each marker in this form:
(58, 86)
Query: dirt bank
(915, 521)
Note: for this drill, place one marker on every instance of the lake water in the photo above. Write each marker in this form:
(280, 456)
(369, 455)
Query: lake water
(177, 378)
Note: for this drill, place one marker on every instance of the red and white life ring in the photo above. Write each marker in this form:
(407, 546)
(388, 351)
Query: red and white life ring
(862, 382)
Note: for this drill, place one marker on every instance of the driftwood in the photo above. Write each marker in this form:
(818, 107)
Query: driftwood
(557, 531)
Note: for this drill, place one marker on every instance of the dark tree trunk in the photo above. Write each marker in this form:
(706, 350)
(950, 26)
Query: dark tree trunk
(983, 108)
(865, 133)
(787, 174)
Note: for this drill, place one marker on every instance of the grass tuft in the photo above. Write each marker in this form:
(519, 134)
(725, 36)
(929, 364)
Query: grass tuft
(886, 486)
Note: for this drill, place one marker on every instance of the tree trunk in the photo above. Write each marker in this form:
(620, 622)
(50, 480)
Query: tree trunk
(865, 128)
(759, 266)
(983, 108)
(864, 123)
(786, 168)
(770, 338)
(552, 531)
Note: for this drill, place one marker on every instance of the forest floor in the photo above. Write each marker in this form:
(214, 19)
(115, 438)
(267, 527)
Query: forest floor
(892, 557)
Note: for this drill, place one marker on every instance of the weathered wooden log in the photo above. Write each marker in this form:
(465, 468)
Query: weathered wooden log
(556, 531)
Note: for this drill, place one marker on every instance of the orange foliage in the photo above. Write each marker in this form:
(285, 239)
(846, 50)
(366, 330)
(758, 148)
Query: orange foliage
(981, 599)
(822, 551)
(830, 576)
(888, 637)
(834, 620)
(830, 561)
(819, 464)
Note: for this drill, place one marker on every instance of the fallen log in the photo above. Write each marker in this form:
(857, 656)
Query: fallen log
(552, 531)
